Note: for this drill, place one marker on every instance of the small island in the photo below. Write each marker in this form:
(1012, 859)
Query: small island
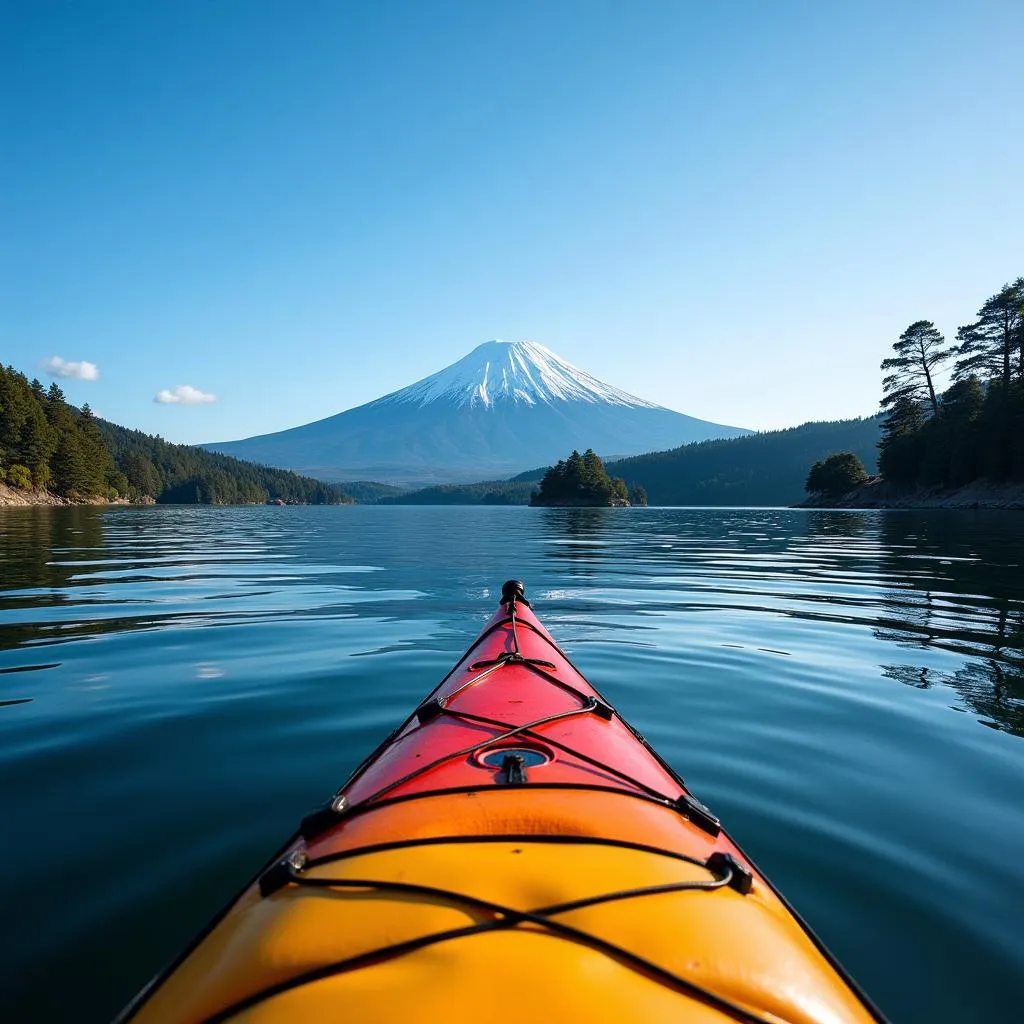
(581, 481)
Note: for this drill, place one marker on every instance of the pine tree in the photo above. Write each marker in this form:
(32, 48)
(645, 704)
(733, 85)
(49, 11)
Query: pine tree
(900, 451)
(988, 346)
(919, 354)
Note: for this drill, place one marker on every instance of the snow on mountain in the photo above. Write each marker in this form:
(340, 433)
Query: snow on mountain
(518, 371)
(504, 408)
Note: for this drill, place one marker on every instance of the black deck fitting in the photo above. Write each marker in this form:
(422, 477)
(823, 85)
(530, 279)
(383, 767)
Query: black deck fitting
(513, 770)
(740, 878)
(513, 590)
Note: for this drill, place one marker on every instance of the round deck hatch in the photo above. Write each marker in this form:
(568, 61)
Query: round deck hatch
(494, 757)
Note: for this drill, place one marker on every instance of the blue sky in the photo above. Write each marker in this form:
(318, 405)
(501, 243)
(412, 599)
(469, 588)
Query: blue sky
(729, 208)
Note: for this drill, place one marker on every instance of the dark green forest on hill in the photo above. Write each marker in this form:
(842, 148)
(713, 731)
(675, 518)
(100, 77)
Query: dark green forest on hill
(487, 492)
(47, 444)
(759, 469)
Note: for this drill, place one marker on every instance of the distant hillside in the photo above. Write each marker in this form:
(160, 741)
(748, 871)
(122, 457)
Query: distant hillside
(371, 492)
(49, 448)
(760, 469)
(181, 474)
(488, 492)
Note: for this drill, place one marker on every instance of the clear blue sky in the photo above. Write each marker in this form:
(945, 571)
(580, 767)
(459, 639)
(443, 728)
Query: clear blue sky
(729, 208)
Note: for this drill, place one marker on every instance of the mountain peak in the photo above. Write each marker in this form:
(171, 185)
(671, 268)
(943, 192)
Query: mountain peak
(502, 408)
(520, 372)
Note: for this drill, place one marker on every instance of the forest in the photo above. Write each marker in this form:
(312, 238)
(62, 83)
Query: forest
(760, 469)
(48, 444)
(974, 428)
(947, 438)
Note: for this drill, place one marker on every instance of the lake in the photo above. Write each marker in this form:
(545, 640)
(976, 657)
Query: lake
(845, 690)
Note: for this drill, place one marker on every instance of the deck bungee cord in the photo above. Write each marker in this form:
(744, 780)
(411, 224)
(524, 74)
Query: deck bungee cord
(493, 794)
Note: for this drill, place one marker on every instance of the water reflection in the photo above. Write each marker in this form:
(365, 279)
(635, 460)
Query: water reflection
(822, 523)
(992, 690)
(958, 586)
(759, 649)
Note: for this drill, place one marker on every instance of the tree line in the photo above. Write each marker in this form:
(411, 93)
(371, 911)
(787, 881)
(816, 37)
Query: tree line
(973, 428)
(48, 444)
(757, 469)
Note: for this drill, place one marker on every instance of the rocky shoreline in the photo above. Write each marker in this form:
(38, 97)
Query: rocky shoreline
(14, 497)
(879, 493)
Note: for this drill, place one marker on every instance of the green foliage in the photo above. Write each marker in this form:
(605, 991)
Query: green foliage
(41, 477)
(580, 480)
(835, 475)
(19, 476)
(760, 469)
(637, 494)
(988, 347)
(900, 450)
(919, 352)
(488, 492)
(180, 474)
(976, 428)
(370, 492)
(45, 441)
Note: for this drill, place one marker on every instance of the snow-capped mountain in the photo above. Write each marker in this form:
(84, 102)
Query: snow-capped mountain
(504, 408)
(518, 371)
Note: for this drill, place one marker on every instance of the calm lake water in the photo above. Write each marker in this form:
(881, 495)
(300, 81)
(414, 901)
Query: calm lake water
(844, 689)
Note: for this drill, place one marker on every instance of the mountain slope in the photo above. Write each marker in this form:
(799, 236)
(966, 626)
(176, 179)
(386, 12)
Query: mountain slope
(763, 469)
(181, 474)
(760, 469)
(503, 408)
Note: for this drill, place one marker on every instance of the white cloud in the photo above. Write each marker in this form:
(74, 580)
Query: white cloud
(57, 367)
(183, 394)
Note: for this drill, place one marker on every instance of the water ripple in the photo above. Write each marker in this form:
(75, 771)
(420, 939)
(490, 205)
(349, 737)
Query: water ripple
(846, 689)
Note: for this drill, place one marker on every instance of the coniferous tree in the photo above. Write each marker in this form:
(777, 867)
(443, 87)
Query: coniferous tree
(580, 480)
(988, 346)
(900, 451)
(920, 352)
(44, 442)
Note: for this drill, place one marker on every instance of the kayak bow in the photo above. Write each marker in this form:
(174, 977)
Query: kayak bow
(513, 848)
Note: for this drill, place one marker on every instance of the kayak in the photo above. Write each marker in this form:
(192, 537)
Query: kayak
(513, 850)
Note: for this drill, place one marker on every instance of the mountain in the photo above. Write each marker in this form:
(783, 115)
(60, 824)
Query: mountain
(760, 469)
(504, 408)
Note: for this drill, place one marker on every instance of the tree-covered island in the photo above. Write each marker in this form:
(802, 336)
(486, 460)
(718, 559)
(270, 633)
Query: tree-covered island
(961, 446)
(582, 480)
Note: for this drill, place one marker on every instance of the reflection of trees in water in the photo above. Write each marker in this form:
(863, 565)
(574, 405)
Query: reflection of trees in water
(584, 528)
(993, 690)
(34, 539)
(32, 543)
(578, 523)
(836, 524)
(963, 591)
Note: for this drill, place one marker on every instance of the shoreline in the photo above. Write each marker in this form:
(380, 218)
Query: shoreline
(878, 493)
(15, 497)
